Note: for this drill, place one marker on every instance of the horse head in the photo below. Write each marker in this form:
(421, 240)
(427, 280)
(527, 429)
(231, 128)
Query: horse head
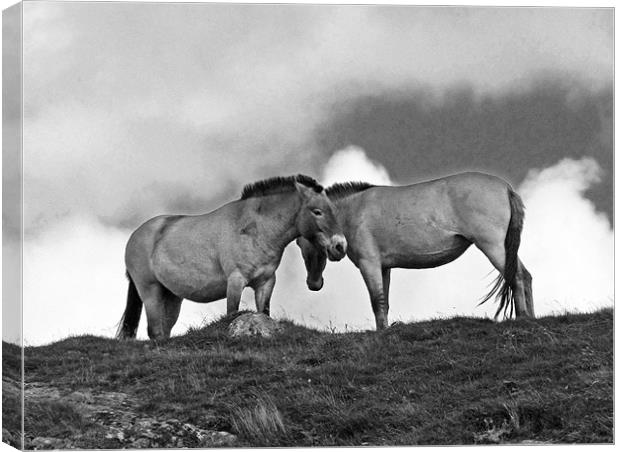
(314, 260)
(318, 224)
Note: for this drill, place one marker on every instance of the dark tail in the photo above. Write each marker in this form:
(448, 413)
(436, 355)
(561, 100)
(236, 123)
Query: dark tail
(128, 325)
(503, 285)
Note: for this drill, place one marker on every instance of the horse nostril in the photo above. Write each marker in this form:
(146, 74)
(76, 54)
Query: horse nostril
(339, 248)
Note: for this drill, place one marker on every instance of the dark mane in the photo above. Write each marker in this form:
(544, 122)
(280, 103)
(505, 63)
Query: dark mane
(276, 185)
(344, 189)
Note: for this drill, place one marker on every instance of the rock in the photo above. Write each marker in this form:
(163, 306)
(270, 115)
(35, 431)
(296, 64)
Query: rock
(254, 324)
(42, 442)
(141, 443)
(219, 439)
(80, 397)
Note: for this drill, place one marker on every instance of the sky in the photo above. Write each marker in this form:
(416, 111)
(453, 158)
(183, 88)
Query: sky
(134, 110)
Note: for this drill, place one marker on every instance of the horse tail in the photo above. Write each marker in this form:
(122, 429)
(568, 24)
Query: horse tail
(503, 285)
(131, 317)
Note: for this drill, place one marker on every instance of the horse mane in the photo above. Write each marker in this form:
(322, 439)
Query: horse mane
(277, 185)
(344, 189)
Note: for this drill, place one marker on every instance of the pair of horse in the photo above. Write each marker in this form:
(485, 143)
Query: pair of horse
(216, 255)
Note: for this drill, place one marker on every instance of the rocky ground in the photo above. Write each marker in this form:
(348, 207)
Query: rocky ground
(113, 413)
(117, 421)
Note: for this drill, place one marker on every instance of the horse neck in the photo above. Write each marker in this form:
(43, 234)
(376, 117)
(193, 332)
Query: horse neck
(346, 209)
(278, 218)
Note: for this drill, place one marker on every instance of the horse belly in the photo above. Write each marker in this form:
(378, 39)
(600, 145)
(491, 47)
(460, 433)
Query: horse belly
(423, 249)
(211, 291)
(190, 272)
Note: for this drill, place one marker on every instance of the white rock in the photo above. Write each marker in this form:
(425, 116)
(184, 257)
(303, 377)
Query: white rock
(254, 324)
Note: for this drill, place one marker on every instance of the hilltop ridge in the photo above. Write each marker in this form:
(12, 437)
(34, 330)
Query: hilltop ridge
(451, 381)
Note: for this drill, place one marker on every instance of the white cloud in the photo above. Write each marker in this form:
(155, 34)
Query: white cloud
(567, 244)
(73, 280)
(350, 165)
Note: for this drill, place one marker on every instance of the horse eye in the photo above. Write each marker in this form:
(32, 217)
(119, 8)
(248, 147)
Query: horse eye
(317, 212)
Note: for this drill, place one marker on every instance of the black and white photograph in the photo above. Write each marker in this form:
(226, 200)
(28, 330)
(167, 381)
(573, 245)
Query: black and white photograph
(239, 225)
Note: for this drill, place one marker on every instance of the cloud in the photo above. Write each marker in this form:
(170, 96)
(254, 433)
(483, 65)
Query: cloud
(73, 280)
(173, 106)
(567, 244)
(352, 164)
(132, 110)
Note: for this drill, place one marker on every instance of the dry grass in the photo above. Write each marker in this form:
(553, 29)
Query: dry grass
(451, 381)
(260, 423)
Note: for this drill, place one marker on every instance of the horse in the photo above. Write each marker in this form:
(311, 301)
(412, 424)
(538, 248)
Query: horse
(208, 257)
(426, 225)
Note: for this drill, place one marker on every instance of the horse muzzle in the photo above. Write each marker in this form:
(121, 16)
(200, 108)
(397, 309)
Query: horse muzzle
(315, 285)
(337, 249)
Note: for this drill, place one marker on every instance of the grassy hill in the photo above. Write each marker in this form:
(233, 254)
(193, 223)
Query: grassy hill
(454, 381)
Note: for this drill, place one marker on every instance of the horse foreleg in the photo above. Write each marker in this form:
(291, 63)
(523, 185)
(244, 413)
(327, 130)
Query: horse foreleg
(385, 273)
(373, 277)
(262, 295)
(234, 288)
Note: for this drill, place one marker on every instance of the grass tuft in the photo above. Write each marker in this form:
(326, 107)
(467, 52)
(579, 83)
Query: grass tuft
(261, 423)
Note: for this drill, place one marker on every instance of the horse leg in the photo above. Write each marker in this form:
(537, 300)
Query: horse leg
(154, 296)
(373, 277)
(526, 279)
(263, 293)
(172, 308)
(234, 288)
(385, 274)
(496, 253)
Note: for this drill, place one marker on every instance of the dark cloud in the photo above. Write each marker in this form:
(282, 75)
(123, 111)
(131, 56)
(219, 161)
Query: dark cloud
(417, 136)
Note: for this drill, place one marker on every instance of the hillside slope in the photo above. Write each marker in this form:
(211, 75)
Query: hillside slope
(454, 381)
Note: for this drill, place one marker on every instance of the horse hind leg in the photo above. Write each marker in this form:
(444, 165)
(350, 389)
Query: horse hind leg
(172, 308)
(525, 278)
(154, 295)
(522, 290)
(510, 291)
